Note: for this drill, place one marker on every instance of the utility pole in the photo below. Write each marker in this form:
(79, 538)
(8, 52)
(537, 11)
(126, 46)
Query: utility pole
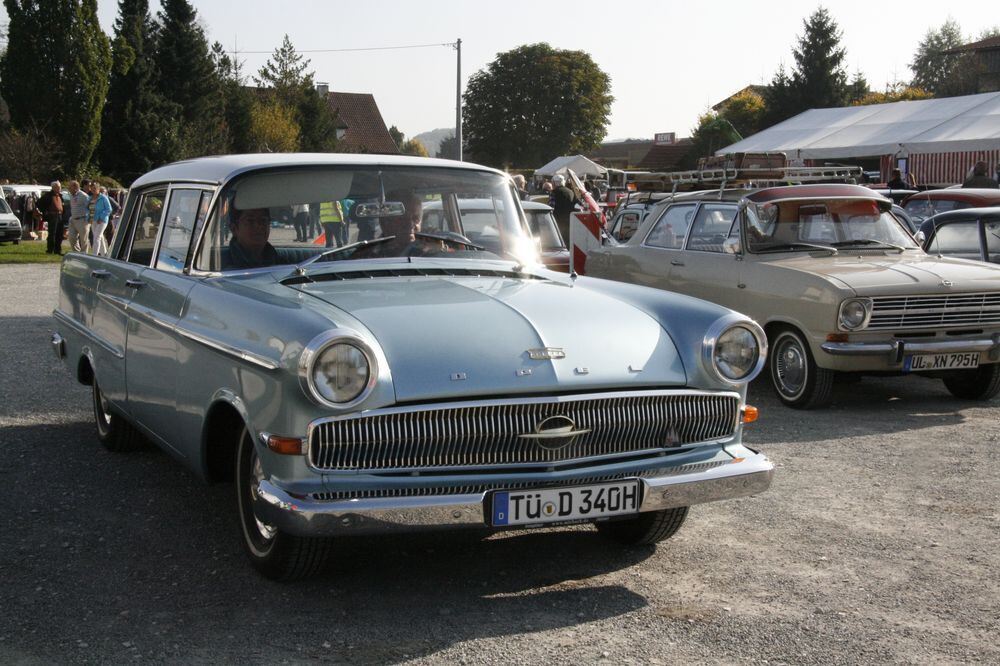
(458, 99)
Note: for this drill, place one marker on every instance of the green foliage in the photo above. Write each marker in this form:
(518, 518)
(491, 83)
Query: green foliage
(138, 132)
(285, 73)
(273, 128)
(897, 93)
(413, 147)
(397, 136)
(28, 155)
(745, 111)
(237, 101)
(188, 77)
(939, 73)
(53, 74)
(534, 103)
(818, 79)
(712, 133)
(858, 89)
(448, 149)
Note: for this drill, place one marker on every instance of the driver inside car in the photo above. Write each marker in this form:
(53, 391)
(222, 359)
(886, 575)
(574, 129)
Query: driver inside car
(249, 246)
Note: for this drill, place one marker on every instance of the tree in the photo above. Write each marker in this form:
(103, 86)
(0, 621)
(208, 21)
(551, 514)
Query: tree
(56, 79)
(897, 93)
(137, 129)
(273, 128)
(29, 156)
(934, 70)
(858, 89)
(413, 147)
(188, 77)
(745, 111)
(818, 79)
(285, 73)
(238, 101)
(712, 133)
(534, 103)
(397, 136)
(448, 148)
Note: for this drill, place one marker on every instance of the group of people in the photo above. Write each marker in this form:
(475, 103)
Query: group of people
(84, 218)
(979, 176)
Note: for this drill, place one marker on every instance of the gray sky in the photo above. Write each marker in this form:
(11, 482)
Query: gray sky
(668, 60)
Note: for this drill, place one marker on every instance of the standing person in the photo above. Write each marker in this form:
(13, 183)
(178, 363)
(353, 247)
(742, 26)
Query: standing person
(79, 218)
(521, 185)
(563, 203)
(300, 221)
(897, 182)
(331, 216)
(100, 214)
(980, 177)
(50, 206)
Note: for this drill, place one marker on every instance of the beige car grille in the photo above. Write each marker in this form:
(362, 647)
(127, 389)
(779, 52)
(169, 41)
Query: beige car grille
(489, 434)
(936, 312)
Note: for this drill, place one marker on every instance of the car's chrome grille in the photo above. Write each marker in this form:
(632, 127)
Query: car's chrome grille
(477, 489)
(935, 312)
(462, 436)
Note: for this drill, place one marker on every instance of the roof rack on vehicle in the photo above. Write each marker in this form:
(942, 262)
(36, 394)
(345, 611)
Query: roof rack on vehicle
(712, 178)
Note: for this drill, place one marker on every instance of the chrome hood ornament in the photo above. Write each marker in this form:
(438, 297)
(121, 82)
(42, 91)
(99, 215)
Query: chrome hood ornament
(555, 432)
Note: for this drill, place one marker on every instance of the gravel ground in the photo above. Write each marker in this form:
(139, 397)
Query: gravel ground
(876, 544)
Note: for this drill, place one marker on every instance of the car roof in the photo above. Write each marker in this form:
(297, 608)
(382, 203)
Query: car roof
(965, 214)
(973, 195)
(222, 168)
(818, 191)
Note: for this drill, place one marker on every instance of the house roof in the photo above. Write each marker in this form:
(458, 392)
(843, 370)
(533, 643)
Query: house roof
(981, 45)
(365, 130)
(948, 124)
(665, 157)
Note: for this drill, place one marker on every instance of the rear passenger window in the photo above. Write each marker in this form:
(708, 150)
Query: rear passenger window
(671, 228)
(711, 228)
(627, 225)
(146, 228)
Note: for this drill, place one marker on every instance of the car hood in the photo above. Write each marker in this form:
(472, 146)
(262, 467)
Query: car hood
(908, 273)
(447, 336)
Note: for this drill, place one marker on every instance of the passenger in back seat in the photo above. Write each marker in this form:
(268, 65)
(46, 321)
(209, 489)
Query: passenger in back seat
(249, 247)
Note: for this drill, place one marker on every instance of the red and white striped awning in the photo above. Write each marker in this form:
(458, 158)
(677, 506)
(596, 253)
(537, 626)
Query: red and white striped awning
(950, 168)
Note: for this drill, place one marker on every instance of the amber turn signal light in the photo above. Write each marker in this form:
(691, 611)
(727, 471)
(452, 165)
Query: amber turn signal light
(837, 337)
(289, 446)
(749, 414)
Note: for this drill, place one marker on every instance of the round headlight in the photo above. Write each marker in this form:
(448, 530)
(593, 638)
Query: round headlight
(854, 313)
(736, 353)
(340, 373)
(734, 349)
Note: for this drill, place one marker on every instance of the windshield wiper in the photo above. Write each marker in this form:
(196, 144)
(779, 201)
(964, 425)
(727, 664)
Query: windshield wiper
(868, 242)
(449, 237)
(777, 247)
(300, 268)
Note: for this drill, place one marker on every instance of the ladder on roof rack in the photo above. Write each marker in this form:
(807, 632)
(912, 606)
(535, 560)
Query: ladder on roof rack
(715, 177)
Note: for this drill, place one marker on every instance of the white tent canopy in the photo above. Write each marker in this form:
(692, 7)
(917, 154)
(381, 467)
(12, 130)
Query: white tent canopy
(945, 125)
(580, 165)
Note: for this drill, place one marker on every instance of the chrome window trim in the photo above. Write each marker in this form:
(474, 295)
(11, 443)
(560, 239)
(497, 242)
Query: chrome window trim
(720, 326)
(373, 355)
(229, 350)
(166, 206)
(130, 240)
(687, 204)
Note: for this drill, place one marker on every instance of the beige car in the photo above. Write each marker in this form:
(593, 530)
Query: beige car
(832, 276)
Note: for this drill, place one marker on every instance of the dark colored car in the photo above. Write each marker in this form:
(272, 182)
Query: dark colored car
(922, 205)
(973, 233)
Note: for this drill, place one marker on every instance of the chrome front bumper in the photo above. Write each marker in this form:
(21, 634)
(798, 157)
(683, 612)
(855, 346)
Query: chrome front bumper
(307, 517)
(896, 349)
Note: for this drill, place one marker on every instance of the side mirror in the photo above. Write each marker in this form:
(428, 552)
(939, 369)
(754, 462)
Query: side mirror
(920, 238)
(731, 246)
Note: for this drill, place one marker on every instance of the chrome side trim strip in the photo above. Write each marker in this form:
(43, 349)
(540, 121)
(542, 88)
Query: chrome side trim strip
(87, 333)
(114, 301)
(235, 352)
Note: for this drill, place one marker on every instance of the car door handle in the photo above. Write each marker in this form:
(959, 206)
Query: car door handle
(135, 284)
(676, 262)
(99, 274)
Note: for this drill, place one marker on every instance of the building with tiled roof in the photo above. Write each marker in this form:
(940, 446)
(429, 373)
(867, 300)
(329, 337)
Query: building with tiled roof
(665, 156)
(360, 128)
(620, 154)
(987, 62)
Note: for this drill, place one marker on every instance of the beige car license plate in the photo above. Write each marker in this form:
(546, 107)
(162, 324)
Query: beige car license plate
(539, 506)
(959, 361)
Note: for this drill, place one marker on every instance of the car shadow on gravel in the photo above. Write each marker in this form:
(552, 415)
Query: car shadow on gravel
(869, 406)
(126, 552)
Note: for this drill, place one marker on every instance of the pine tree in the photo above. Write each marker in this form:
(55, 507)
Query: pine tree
(819, 77)
(285, 73)
(238, 101)
(188, 77)
(137, 133)
(57, 79)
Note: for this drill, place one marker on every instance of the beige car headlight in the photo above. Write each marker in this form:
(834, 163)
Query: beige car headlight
(338, 369)
(734, 349)
(855, 313)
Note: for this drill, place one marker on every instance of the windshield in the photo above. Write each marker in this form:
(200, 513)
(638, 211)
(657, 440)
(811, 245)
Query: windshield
(543, 227)
(798, 225)
(287, 217)
(921, 209)
(4, 208)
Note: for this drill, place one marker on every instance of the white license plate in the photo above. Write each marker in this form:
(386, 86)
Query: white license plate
(958, 361)
(552, 505)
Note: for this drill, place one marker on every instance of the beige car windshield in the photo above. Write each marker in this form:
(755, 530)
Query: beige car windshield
(789, 226)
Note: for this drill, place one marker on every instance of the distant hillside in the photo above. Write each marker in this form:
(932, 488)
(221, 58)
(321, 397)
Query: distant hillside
(432, 139)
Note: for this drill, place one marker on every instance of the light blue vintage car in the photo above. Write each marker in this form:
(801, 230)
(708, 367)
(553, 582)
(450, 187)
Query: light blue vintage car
(401, 380)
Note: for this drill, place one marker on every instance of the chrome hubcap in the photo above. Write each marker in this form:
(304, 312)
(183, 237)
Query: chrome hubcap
(790, 367)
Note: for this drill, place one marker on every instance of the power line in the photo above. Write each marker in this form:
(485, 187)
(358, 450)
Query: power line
(368, 48)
